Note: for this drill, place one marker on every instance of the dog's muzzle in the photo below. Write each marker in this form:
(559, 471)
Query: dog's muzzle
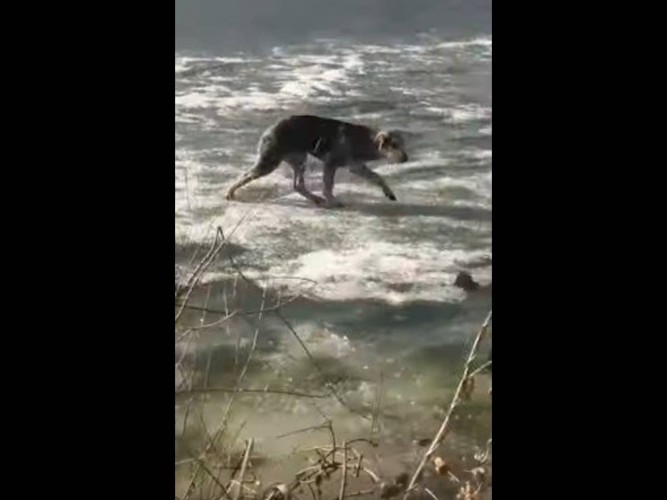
(399, 157)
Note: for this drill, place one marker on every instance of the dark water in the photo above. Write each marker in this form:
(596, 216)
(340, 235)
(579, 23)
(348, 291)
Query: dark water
(219, 26)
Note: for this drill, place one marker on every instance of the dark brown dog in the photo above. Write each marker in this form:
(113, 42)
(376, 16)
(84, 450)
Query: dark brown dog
(336, 143)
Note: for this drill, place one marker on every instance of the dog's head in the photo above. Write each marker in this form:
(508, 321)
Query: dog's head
(390, 145)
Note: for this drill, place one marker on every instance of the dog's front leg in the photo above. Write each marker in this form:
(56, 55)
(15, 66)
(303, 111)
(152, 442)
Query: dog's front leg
(366, 173)
(327, 190)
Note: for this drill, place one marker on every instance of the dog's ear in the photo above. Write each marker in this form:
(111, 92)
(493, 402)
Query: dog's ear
(380, 139)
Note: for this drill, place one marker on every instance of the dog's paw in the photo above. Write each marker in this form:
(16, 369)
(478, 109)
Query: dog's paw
(388, 193)
(229, 196)
(333, 203)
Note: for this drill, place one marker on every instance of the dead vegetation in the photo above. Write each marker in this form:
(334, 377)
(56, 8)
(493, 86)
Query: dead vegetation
(213, 463)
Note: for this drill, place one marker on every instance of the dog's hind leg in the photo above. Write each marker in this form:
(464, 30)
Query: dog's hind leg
(329, 175)
(366, 173)
(266, 163)
(298, 163)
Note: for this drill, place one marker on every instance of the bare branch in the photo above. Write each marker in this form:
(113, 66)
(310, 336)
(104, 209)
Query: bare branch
(341, 494)
(306, 429)
(445, 423)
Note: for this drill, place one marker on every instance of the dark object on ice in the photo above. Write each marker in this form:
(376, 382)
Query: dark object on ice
(277, 492)
(464, 280)
(402, 479)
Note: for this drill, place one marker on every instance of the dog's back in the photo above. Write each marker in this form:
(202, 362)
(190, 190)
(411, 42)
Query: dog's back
(313, 134)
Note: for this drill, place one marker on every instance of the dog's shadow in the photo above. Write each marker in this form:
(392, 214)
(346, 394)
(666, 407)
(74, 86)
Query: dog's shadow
(396, 208)
(381, 208)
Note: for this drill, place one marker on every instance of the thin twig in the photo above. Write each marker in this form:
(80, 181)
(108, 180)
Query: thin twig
(185, 461)
(200, 269)
(208, 368)
(480, 369)
(253, 346)
(306, 429)
(185, 417)
(333, 437)
(203, 425)
(378, 402)
(307, 469)
(360, 493)
(229, 442)
(341, 493)
(374, 477)
(432, 495)
(226, 314)
(252, 391)
(208, 259)
(239, 491)
(363, 440)
(445, 423)
(201, 263)
(312, 492)
(358, 468)
(212, 476)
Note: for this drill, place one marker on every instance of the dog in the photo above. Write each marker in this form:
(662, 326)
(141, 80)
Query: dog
(334, 142)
